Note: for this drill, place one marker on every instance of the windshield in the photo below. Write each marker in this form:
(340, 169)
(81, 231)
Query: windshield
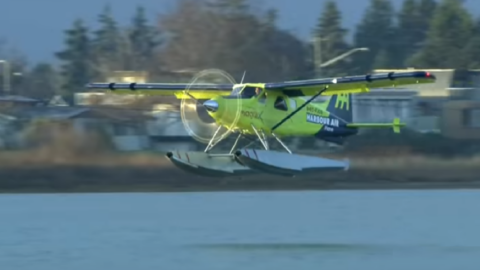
(244, 92)
(236, 90)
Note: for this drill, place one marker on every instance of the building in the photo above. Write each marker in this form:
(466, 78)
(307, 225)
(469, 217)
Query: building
(10, 101)
(461, 114)
(446, 79)
(382, 105)
(126, 128)
(448, 105)
(168, 131)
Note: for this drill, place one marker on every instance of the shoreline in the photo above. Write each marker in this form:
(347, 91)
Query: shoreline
(109, 179)
(152, 189)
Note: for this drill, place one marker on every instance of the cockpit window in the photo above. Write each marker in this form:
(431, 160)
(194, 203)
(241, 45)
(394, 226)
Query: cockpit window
(245, 92)
(236, 90)
(249, 92)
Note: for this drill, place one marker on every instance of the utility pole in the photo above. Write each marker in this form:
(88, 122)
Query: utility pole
(317, 55)
(6, 76)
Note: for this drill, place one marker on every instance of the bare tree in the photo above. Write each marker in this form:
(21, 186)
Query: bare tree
(216, 35)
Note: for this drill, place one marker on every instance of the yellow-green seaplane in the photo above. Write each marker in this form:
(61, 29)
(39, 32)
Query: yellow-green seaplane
(265, 111)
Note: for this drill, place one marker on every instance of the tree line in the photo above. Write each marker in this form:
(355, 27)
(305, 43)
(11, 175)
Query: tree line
(237, 36)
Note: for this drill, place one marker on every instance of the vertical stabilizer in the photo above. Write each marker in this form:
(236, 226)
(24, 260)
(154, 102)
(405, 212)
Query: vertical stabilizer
(341, 106)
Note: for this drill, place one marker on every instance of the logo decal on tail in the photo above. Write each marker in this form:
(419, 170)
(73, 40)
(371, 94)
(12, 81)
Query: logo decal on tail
(342, 101)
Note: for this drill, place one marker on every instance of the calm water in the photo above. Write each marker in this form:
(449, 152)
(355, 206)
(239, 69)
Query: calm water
(208, 231)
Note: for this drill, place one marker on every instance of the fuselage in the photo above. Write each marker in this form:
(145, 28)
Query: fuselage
(258, 110)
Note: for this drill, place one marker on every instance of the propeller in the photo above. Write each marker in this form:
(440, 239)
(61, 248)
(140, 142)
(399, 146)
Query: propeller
(195, 113)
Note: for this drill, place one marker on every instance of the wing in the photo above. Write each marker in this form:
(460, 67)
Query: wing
(351, 84)
(198, 91)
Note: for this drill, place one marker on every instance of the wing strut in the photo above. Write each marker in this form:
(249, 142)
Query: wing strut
(298, 109)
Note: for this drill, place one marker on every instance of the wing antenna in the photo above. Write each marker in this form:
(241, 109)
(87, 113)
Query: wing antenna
(243, 77)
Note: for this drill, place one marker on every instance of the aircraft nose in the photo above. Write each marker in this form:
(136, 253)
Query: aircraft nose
(211, 105)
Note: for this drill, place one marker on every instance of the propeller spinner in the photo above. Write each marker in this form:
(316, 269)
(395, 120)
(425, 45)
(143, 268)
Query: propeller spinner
(197, 114)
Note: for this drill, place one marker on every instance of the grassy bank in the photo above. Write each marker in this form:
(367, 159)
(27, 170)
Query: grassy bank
(65, 161)
(135, 179)
(46, 171)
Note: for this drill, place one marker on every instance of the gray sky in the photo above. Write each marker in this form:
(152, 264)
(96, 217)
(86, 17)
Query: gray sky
(36, 27)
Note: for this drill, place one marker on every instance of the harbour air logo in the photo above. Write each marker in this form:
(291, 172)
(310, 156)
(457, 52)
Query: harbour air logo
(343, 100)
(312, 118)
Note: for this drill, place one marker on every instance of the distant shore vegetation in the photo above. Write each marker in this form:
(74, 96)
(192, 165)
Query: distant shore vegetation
(238, 35)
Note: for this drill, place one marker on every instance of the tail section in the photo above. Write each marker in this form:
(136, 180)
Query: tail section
(395, 125)
(341, 106)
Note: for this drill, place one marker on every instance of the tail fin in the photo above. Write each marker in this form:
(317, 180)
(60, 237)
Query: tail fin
(396, 125)
(341, 106)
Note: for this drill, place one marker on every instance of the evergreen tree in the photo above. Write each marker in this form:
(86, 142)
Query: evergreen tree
(426, 9)
(330, 38)
(452, 27)
(271, 18)
(472, 50)
(107, 51)
(416, 28)
(42, 81)
(376, 32)
(408, 36)
(286, 57)
(76, 69)
(382, 59)
(143, 41)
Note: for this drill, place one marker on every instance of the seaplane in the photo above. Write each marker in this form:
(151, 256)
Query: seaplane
(262, 112)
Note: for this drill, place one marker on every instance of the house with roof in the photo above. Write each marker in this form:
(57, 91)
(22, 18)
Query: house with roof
(127, 128)
(9, 101)
(165, 131)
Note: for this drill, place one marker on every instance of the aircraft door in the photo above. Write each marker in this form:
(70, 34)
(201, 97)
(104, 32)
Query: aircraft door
(279, 108)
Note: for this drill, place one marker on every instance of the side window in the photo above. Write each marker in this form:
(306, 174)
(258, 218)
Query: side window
(280, 104)
(293, 104)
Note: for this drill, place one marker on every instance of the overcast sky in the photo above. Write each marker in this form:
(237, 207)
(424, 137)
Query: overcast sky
(35, 26)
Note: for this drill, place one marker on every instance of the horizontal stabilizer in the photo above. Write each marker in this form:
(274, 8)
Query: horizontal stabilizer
(396, 125)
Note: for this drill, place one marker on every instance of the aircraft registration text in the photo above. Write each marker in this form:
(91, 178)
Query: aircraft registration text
(322, 120)
(250, 114)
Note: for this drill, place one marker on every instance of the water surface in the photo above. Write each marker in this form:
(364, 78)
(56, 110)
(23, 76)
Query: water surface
(338, 230)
